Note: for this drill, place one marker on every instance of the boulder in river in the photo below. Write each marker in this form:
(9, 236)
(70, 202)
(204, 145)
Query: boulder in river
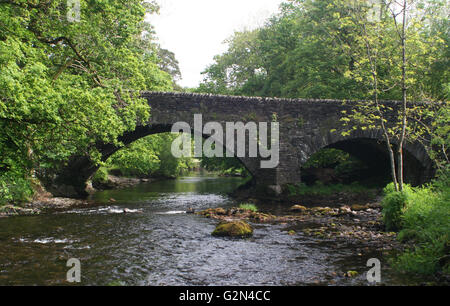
(235, 228)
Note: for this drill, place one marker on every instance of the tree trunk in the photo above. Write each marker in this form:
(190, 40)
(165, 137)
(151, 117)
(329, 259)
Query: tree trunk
(404, 98)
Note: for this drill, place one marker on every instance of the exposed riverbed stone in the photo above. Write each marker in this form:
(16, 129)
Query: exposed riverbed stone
(42, 205)
(118, 182)
(233, 229)
(358, 207)
(236, 214)
(351, 274)
(11, 210)
(298, 208)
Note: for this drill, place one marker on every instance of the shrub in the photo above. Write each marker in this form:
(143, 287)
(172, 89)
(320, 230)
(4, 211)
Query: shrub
(326, 158)
(407, 235)
(249, 206)
(422, 213)
(422, 260)
(14, 188)
(101, 176)
(393, 205)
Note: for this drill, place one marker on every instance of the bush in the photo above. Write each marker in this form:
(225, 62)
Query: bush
(249, 206)
(422, 260)
(135, 160)
(14, 188)
(393, 205)
(422, 214)
(150, 156)
(407, 235)
(101, 176)
(224, 165)
(327, 158)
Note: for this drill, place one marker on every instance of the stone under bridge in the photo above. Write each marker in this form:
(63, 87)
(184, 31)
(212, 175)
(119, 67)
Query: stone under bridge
(305, 127)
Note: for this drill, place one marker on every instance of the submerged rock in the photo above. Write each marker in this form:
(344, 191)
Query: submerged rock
(233, 229)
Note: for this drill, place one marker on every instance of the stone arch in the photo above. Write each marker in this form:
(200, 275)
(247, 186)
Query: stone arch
(370, 147)
(74, 177)
(305, 126)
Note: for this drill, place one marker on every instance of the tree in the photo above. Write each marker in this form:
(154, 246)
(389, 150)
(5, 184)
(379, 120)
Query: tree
(351, 50)
(238, 70)
(169, 63)
(294, 55)
(67, 85)
(399, 37)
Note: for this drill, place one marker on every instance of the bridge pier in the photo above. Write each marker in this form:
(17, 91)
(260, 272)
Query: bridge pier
(273, 180)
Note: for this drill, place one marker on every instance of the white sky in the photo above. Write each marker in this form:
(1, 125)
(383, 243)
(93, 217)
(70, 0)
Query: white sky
(196, 29)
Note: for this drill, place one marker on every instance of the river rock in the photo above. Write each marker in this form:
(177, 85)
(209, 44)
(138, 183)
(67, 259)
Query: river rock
(351, 274)
(236, 228)
(11, 210)
(298, 208)
(322, 210)
(358, 207)
(345, 210)
(220, 211)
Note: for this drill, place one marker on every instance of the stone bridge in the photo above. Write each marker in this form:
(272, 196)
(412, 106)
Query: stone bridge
(305, 127)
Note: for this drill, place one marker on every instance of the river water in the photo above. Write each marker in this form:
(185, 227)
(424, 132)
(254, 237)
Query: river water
(156, 243)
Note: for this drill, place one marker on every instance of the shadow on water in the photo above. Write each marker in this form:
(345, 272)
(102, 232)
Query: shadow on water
(156, 243)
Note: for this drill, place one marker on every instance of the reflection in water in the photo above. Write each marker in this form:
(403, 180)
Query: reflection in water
(156, 243)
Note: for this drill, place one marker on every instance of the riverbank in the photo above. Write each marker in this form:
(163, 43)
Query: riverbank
(418, 215)
(327, 195)
(119, 182)
(43, 201)
(37, 207)
(357, 227)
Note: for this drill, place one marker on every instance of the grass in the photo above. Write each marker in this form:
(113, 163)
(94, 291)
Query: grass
(423, 219)
(248, 206)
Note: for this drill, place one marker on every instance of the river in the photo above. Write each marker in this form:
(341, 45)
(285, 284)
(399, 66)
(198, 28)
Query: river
(156, 243)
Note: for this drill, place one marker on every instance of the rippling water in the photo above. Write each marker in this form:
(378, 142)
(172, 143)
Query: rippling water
(156, 243)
